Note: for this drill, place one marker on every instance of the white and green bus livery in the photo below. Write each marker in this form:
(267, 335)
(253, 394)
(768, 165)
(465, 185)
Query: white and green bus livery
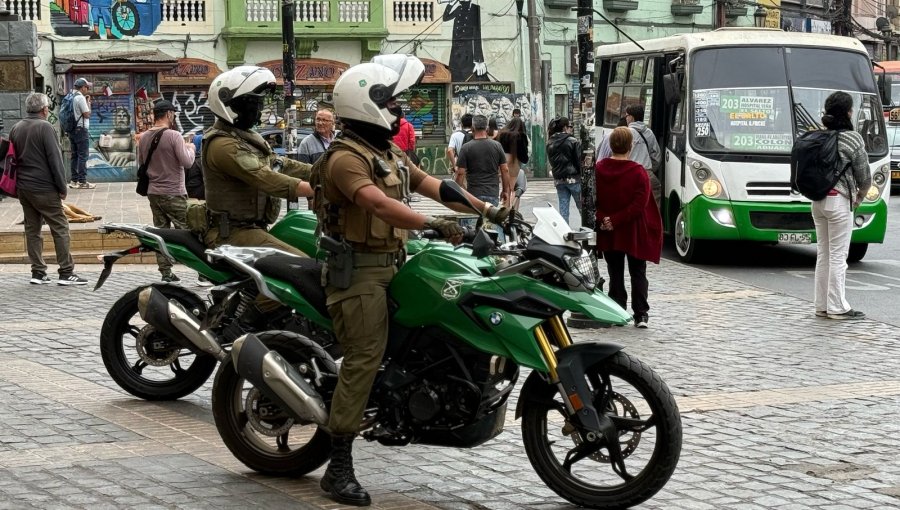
(726, 107)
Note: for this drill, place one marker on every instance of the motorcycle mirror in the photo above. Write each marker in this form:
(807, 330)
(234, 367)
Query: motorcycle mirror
(451, 192)
(482, 245)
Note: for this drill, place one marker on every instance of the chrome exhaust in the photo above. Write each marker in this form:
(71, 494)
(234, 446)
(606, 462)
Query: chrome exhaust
(171, 318)
(278, 380)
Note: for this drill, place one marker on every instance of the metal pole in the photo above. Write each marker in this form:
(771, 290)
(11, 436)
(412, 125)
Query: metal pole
(583, 124)
(288, 9)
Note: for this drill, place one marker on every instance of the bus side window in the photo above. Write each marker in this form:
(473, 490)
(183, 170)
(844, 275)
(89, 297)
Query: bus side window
(615, 101)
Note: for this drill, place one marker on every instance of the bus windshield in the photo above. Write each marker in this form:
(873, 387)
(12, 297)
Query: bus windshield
(742, 102)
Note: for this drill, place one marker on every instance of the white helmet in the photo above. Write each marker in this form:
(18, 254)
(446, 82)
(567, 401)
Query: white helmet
(236, 95)
(362, 92)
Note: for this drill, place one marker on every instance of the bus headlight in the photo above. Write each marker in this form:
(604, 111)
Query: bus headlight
(873, 194)
(711, 188)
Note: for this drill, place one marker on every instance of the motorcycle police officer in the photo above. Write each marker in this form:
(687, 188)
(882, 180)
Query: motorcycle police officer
(360, 184)
(240, 171)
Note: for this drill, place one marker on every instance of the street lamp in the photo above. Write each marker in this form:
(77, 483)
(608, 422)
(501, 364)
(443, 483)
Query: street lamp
(759, 16)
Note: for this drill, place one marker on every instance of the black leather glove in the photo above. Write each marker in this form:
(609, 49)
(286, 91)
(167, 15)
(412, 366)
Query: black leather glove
(447, 228)
(497, 215)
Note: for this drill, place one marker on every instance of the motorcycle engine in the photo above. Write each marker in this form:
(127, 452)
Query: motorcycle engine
(424, 404)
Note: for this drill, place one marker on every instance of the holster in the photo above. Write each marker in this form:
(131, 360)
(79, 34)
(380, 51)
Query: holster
(338, 269)
(221, 220)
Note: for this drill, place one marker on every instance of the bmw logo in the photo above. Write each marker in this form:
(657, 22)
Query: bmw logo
(496, 318)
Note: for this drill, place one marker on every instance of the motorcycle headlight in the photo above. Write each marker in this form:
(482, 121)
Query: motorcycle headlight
(584, 267)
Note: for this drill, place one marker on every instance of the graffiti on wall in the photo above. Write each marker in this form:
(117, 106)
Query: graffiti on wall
(490, 104)
(466, 55)
(105, 19)
(194, 114)
(112, 141)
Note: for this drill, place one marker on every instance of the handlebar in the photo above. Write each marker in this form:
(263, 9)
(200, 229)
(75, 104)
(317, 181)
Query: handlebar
(434, 235)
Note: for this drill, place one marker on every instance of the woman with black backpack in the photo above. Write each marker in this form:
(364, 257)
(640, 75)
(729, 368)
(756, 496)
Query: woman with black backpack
(833, 215)
(564, 156)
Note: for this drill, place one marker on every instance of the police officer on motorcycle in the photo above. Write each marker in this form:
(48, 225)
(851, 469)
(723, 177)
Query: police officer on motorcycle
(243, 181)
(360, 184)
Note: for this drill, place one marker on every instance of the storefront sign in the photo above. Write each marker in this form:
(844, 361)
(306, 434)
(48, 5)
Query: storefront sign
(190, 71)
(497, 87)
(309, 71)
(435, 72)
(773, 12)
(790, 24)
(818, 26)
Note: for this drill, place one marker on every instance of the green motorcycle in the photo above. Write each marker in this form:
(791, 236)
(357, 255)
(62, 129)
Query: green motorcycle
(600, 427)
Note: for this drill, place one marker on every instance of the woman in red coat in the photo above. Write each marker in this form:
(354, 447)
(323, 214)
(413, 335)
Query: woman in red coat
(629, 224)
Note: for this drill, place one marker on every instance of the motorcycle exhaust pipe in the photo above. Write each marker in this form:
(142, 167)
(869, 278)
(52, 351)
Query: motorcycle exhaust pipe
(171, 318)
(278, 380)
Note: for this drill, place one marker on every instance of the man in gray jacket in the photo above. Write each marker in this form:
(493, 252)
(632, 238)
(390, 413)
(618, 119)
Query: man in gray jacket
(644, 150)
(41, 186)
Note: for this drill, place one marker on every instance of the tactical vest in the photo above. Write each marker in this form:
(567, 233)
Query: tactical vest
(340, 218)
(226, 194)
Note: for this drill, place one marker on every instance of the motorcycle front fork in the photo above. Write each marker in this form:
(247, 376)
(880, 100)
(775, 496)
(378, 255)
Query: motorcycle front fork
(559, 335)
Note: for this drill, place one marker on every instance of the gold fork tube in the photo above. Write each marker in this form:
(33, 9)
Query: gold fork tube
(560, 332)
(547, 351)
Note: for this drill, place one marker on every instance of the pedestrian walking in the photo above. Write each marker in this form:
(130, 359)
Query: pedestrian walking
(457, 139)
(629, 224)
(833, 215)
(80, 137)
(166, 168)
(406, 139)
(564, 155)
(479, 163)
(41, 187)
(315, 144)
(515, 146)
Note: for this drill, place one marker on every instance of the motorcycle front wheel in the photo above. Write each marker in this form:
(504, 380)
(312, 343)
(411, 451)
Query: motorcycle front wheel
(256, 430)
(144, 362)
(648, 426)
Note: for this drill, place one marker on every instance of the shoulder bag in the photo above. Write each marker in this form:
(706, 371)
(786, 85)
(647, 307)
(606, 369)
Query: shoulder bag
(143, 182)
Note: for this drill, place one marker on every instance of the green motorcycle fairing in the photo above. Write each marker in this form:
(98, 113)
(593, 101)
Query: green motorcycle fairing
(496, 314)
(298, 229)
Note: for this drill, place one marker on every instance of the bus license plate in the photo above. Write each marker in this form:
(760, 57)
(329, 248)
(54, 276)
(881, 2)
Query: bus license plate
(794, 237)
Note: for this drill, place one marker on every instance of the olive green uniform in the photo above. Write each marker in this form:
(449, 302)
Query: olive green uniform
(242, 190)
(360, 312)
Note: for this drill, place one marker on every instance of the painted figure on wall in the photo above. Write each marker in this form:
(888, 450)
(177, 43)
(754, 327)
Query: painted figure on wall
(466, 56)
(105, 19)
(118, 144)
(490, 104)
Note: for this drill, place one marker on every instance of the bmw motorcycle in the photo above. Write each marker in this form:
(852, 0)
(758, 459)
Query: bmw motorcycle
(599, 426)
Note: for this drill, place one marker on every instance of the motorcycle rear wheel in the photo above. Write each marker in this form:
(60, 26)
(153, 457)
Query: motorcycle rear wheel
(124, 331)
(638, 395)
(260, 435)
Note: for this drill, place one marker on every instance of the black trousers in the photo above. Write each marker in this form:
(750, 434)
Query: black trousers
(615, 265)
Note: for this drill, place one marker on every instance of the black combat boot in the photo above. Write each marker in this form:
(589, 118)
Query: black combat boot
(339, 480)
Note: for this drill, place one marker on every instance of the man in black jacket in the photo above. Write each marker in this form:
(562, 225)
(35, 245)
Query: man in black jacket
(564, 154)
(41, 186)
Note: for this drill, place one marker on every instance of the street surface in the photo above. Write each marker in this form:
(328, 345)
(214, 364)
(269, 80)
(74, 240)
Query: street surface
(780, 410)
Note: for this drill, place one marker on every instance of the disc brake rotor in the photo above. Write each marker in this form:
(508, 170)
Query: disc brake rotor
(628, 440)
(265, 416)
(155, 350)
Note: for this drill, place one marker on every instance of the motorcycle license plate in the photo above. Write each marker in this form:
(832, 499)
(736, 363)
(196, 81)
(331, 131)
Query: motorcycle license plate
(895, 174)
(794, 237)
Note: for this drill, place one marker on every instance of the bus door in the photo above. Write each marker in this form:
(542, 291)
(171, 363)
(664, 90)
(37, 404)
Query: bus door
(672, 87)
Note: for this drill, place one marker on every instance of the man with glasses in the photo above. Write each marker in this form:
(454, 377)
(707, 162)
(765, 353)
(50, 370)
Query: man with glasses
(165, 167)
(313, 146)
(41, 186)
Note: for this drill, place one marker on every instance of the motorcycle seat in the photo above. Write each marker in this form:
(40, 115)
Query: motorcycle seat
(304, 274)
(188, 240)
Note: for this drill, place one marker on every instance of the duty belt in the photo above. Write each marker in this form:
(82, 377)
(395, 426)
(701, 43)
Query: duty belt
(364, 259)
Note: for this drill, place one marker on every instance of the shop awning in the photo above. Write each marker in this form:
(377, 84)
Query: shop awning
(144, 60)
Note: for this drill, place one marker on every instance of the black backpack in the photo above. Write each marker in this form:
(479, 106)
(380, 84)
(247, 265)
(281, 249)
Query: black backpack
(468, 137)
(815, 164)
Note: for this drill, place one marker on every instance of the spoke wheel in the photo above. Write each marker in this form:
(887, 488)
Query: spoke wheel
(647, 424)
(256, 430)
(143, 361)
(125, 17)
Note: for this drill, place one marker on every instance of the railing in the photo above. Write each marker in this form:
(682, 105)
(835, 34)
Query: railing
(415, 11)
(28, 10)
(183, 11)
(310, 11)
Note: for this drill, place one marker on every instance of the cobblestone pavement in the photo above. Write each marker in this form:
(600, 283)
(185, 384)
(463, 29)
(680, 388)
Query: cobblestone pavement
(780, 410)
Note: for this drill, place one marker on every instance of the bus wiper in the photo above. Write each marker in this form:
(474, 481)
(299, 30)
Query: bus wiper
(805, 120)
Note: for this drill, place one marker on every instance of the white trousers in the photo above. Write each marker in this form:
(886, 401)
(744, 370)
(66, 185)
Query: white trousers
(834, 224)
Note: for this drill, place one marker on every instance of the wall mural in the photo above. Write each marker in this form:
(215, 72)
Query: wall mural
(490, 104)
(105, 19)
(466, 56)
(113, 157)
(194, 114)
